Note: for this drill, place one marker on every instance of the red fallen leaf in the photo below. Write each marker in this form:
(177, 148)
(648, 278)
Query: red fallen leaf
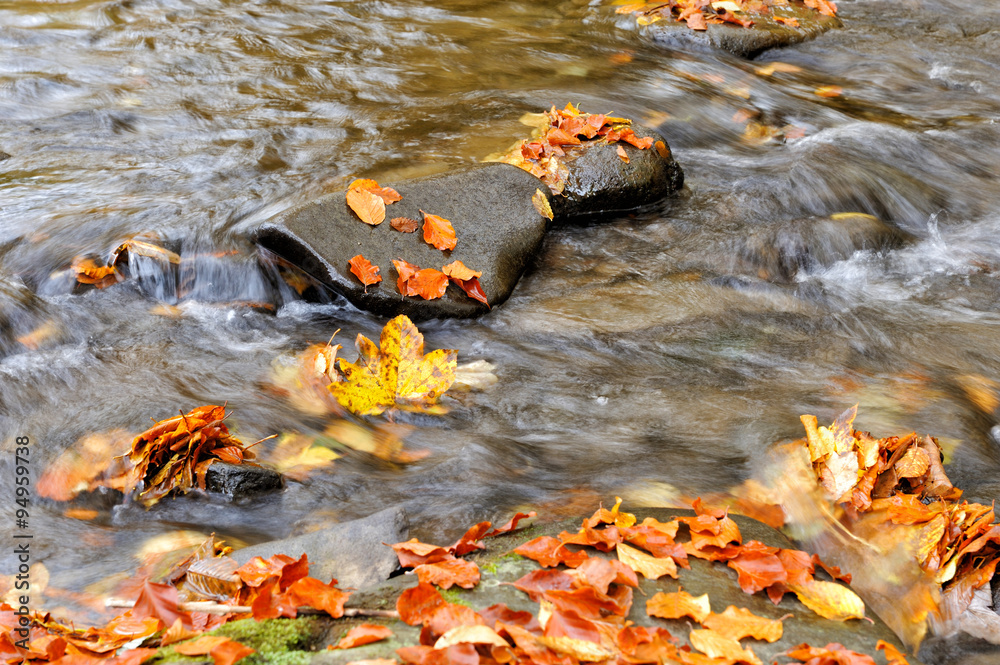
(451, 615)
(730, 17)
(550, 552)
(640, 644)
(223, 650)
(588, 602)
(428, 283)
(413, 553)
(893, 655)
(602, 539)
(831, 653)
(363, 269)
(366, 633)
(230, 454)
(758, 570)
(501, 613)
(438, 232)
(310, 592)
(131, 657)
(457, 654)
(470, 540)
(416, 605)
(567, 624)
(695, 20)
(473, 289)
(601, 573)
(559, 137)
(160, 601)
(375, 661)
(404, 224)
(628, 135)
(369, 207)
(622, 154)
(405, 270)
(677, 605)
(447, 573)
(537, 582)
(270, 605)
(832, 571)
(786, 20)
(88, 272)
(509, 526)
(822, 6)
(282, 567)
(798, 564)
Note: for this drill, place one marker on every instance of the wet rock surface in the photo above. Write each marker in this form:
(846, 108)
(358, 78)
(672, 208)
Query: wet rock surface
(600, 181)
(499, 568)
(352, 552)
(497, 227)
(241, 481)
(766, 33)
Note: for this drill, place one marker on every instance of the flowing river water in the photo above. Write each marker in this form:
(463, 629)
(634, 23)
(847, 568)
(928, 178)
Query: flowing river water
(652, 356)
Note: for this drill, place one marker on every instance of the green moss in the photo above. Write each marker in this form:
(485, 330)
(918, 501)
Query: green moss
(276, 641)
(455, 596)
(489, 568)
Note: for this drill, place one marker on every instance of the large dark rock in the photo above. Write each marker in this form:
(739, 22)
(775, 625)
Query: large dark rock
(353, 552)
(497, 226)
(600, 181)
(766, 33)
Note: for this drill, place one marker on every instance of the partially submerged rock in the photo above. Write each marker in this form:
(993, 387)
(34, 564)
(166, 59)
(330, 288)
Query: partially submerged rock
(241, 481)
(746, 42)
(353, 552)
(497, 227)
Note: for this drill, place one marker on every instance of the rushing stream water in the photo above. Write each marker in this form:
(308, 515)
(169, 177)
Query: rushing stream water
(648, 356)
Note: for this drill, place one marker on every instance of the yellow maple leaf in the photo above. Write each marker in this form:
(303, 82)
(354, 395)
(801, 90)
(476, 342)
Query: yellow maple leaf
(396, 373)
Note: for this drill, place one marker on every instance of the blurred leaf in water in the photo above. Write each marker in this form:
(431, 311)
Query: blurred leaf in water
(297, 455)
(384, 441)
(83, 466)
(45, 332)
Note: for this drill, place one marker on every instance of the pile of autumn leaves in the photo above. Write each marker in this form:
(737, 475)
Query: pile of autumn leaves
(368, 201)
(562, 130)
(163, 615)
(899, 482)
(583, 608)
(697, 14)
(172, 456)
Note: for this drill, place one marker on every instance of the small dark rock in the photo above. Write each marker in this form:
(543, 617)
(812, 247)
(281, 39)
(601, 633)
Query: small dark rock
(240, 481)
(4, 156)
(497, 227)
(352, 552)
(766, 33)
(600, 181)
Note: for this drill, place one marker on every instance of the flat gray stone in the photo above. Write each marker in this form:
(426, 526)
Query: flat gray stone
(352, 552)
(497, 227)
(765, 34)
(600, 181)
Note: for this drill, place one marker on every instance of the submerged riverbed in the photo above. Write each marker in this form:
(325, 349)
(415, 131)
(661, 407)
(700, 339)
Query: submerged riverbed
(650, 356)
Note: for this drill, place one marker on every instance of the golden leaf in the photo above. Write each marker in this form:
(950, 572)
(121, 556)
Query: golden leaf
(581, 650)
(648, 566)
(470, 635)
(716, 645)
(395, 374)
(369, 207)
(541, 203)
(830, 600)
(678, 604)
(739, 622)
(913, 464)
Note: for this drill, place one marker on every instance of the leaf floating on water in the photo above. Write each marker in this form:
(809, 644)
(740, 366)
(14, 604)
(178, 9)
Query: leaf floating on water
(363, 269)
(369, 207)
(541, 203)
(396, 374)
(438, 232)
(829, 91)
(404, 224)
(89, 272)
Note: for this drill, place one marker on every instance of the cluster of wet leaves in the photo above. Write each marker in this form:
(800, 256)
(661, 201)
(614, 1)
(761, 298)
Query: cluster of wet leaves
(898, 485)
(171, 457)
(175, 612)
(559, 133)
(584, 600)
(92, 272)
(698, 14)
(368, 200)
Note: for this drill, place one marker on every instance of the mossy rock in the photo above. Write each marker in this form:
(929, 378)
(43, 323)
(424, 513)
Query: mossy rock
(276, 642)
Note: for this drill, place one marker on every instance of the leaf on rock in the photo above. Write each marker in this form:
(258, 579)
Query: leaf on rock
(223, 650)
(160, 601)
(831, 653)
(830, 600)
(88, 272)
(445, 574)
(541, 203)
(369, 207)
(737, 623)
(427, 283)
(648, 566)
(893, 656)
(677, 605)
(717, 645)
(366, 633)
(470, 635)
(418, 604)
(622, 154)
(438, 232)
(458, 271)
(413, 553)
(387, 194)
(404, 224)
(363, 269)
(510, 525)
(396, 374)
(550, 552)
(913, 464)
